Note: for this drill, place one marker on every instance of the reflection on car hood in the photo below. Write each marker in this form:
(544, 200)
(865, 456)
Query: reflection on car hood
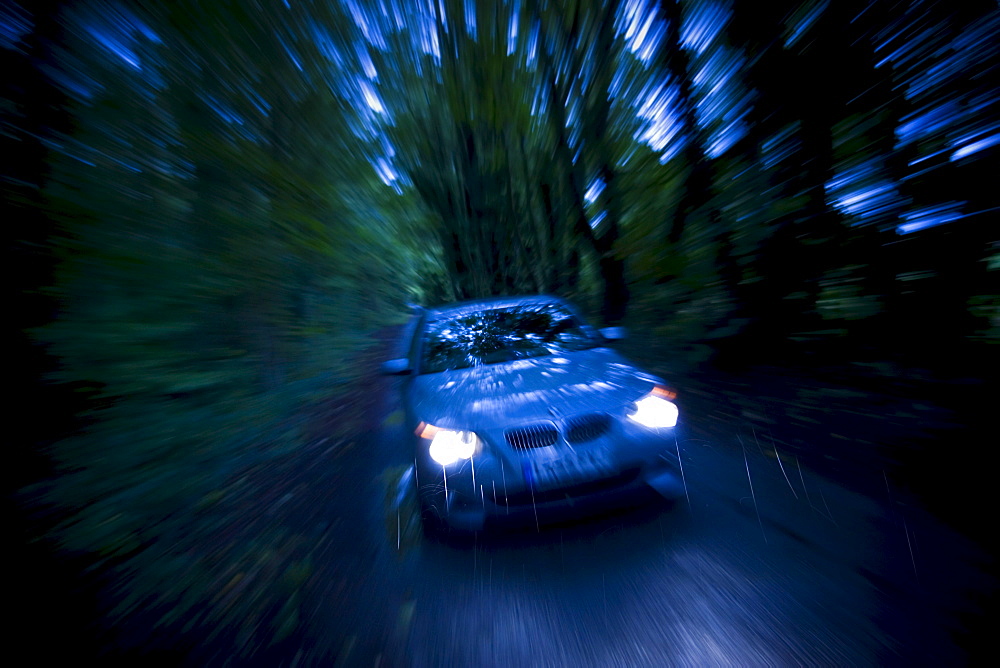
(504, 395)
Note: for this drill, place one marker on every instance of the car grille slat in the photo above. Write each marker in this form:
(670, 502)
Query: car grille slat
(583, 428)
(532, 436)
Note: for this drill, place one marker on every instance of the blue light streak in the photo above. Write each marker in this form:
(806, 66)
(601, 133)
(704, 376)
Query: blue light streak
(515, 17)
(931, 216)
(15, 23)
(702, 24)
(643, 31)
(594, 191)
(975, 147)
(659, 109)
(801, 24)
(470, 18)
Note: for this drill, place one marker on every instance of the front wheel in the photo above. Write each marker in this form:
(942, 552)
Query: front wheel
(433, 523)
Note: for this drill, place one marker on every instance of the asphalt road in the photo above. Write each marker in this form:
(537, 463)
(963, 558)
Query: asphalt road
(765, 563)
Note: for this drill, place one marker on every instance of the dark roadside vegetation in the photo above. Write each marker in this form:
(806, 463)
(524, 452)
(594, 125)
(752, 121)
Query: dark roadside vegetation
(217, 215)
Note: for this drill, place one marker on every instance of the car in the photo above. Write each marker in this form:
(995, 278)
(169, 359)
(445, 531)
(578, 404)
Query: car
(519, 413)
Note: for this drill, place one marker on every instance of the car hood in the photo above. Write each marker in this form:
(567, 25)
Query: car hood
(502, 395)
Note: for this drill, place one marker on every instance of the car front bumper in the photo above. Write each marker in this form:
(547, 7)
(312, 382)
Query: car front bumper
(636, 483)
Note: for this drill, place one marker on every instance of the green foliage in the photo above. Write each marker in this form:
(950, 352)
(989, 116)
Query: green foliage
(217, 283)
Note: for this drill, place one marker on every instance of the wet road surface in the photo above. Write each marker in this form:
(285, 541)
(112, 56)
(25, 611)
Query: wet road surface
(764, 563)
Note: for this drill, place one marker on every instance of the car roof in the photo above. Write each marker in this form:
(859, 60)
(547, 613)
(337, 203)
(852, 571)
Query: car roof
(471, 306)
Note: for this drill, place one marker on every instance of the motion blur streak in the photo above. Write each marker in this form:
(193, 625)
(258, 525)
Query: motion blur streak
(217, 216)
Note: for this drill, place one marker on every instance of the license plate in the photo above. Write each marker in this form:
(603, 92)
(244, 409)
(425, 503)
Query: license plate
(571, 468)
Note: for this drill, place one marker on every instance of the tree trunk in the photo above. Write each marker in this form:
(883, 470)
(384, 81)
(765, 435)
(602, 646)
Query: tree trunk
(699, 183)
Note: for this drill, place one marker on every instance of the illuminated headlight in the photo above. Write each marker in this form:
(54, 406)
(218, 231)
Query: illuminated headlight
(655, 410)
(448, 446)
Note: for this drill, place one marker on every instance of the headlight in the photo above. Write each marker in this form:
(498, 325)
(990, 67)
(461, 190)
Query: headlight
(655, 410)
(448, 445)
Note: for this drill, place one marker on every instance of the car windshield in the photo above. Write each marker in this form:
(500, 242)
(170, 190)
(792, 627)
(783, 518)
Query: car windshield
(502, 335)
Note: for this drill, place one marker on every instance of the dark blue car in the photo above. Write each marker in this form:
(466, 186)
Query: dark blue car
(520, 412)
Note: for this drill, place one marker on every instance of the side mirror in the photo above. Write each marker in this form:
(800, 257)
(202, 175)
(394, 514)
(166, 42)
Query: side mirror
(614, 333)
(396, 367)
